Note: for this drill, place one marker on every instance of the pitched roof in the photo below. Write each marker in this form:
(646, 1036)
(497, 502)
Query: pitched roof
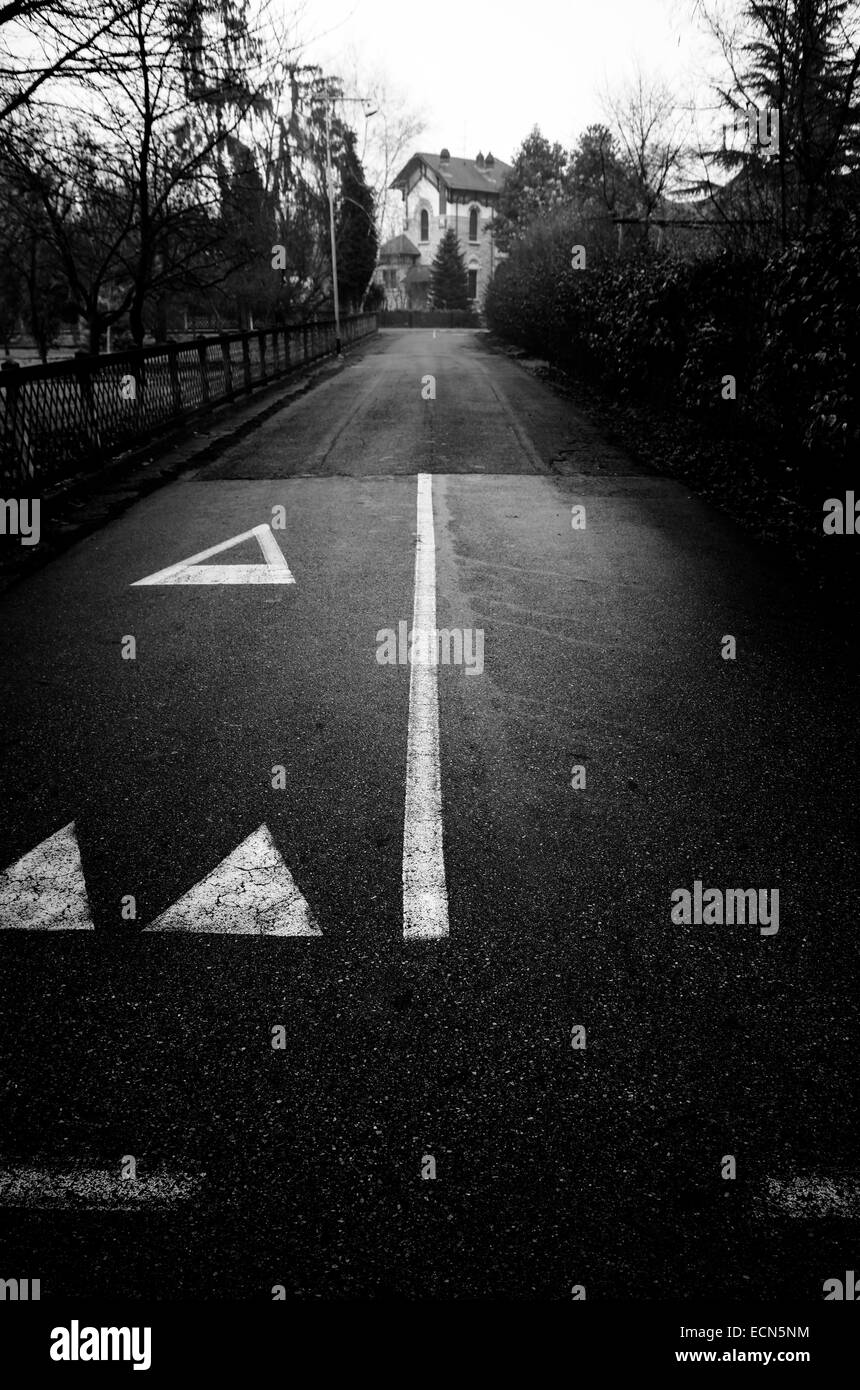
(461, 175)
(399, 246)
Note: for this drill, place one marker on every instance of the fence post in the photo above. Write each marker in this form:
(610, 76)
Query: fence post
(175, 384)
(83, 371)
(228, 367)
(204, 373)
(304, 342)
(262, 341)
(246, 363)
(9, 381)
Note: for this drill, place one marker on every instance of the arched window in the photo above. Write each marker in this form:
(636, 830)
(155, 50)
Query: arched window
(425, 225)
(473, 224)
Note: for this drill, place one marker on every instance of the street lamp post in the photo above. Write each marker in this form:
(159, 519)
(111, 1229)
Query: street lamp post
(330, 186)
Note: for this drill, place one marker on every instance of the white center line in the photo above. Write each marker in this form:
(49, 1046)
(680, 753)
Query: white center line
(425, 895)
(93, 1189)
(813, 1196)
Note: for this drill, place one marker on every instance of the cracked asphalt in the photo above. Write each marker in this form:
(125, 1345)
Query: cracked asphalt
(555, 1166)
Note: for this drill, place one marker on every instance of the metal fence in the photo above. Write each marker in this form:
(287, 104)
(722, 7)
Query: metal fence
(66, 418)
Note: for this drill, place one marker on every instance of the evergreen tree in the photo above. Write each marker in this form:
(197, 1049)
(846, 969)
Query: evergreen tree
(537, 185)
(600, 181)
(799, 62)
(357, 241)
(449, 286)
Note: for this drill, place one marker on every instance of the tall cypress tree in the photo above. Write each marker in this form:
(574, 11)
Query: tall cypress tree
(357, 242)
(449, 284)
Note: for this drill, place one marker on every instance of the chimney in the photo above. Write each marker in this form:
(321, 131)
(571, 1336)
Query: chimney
(480, 160)
(490, 160)
(445, 156)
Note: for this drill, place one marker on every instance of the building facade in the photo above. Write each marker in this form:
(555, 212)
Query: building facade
(440, 192)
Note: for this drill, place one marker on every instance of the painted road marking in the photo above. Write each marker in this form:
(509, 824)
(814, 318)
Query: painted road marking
(94, 1189)
(806, 1197)
(46, 890)
(192, 571)
(250, 892)
(425, 895)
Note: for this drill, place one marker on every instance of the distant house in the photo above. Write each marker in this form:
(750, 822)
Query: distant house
(439, 192)
(401, 274)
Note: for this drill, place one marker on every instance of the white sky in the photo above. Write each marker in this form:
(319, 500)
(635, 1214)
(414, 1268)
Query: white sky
(486, 73)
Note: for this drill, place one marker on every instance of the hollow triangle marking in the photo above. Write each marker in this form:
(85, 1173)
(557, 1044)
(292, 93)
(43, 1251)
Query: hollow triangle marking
(274, 570)
(251, 892)
(46, 890)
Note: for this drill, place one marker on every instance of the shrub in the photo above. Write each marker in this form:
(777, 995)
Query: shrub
(787, 328)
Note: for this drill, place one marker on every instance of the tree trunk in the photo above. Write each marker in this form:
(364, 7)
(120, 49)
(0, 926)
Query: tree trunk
(135, 321)
(94, 332)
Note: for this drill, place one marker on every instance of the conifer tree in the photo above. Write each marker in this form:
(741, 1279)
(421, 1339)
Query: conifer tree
(449, 285)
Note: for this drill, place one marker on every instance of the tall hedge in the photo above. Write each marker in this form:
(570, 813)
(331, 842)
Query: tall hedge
(787, 328)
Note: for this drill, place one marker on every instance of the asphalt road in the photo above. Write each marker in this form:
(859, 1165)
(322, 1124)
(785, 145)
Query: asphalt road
(301, 1165)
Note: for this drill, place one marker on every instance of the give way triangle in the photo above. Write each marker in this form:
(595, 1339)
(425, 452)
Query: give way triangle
(274, 569)
(46, 891)
(251, 891)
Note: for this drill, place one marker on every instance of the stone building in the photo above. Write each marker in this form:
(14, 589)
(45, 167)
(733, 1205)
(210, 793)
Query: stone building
(439, 192)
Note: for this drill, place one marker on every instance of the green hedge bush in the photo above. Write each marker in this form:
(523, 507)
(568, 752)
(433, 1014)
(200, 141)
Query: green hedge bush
(669, 329)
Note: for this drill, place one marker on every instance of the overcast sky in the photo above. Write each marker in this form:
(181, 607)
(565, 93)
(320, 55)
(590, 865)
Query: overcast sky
(486, 73)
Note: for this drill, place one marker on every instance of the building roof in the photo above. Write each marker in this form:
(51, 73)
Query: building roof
(399, 246)
(460, 175)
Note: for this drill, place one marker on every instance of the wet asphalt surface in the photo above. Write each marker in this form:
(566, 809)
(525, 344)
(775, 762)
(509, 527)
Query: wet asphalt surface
(555, 1166)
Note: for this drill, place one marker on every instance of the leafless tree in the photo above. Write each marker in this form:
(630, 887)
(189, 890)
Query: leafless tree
(386, 138)
(41, 40)
(132, 186)
(652, 134)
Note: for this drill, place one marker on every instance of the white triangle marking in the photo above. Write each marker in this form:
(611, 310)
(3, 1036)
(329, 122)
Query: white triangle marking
(251, 891)
(192, 571)
(46, 890)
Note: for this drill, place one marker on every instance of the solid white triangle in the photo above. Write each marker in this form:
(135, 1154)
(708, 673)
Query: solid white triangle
(46, 890)
(250, 892)
(275, 570)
